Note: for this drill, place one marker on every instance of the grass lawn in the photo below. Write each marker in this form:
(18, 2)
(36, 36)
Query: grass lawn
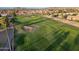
(50, 36)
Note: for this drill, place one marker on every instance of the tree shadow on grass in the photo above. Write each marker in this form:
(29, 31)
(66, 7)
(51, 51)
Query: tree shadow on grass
(58, 39)
(20, 39)
(77, 40)
(65, 47)
(16, 21)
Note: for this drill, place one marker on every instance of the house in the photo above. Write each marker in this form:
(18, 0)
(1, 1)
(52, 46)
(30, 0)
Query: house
(73, 17)
(4, 14)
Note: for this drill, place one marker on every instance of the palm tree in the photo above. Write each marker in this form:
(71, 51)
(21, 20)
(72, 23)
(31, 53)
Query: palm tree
(7, 21)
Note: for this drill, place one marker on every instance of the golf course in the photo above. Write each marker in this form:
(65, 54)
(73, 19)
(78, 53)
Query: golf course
(37, 33)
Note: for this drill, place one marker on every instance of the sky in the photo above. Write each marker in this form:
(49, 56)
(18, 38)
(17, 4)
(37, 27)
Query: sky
(39, 3)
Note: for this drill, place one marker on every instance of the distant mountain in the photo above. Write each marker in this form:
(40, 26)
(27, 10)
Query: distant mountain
(6, 8)
(22, 8)
(1, 8)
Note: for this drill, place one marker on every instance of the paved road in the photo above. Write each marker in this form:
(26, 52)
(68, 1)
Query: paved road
(72, 23)
(3, 37)
(6, 37)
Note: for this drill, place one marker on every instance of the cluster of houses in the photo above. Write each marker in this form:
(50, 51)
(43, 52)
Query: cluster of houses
(66, 13)
(67, 16)
(34, 11)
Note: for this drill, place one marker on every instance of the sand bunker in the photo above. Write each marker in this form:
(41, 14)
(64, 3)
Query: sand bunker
(30, 28)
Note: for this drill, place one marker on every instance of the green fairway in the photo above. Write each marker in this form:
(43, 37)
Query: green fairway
(49, 36)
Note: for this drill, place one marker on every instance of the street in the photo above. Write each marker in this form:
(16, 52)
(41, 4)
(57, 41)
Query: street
(6, 37)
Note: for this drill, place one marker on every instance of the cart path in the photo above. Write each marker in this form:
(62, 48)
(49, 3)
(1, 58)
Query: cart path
(72, 23)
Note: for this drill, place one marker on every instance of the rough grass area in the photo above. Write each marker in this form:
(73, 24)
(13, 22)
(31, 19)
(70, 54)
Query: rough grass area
(51, 35)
